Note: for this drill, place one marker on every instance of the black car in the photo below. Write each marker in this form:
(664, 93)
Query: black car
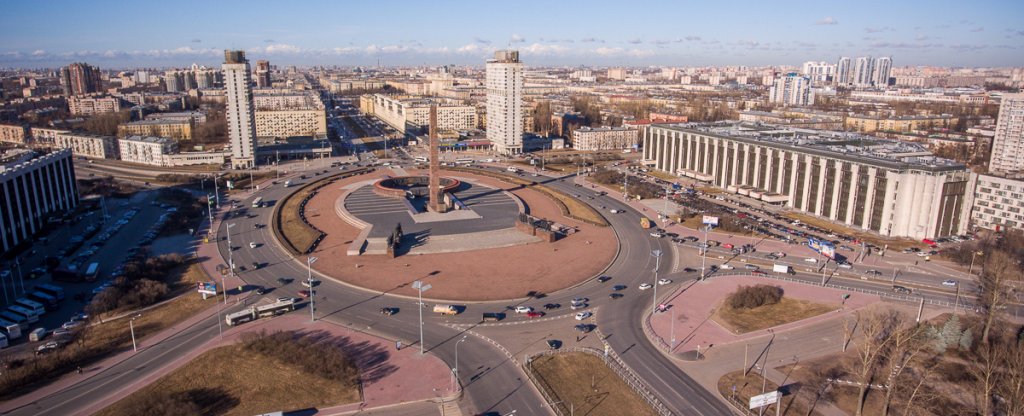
(584, 328)
(615, 295)
(603, 279)
(550, 306)
(619, 287)
(554, 344)
(260, 290)
(283, 280)
(388, 311)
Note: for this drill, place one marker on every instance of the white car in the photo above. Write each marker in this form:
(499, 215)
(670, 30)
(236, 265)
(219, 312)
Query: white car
(657, 234)
(846, 265)
(645, 286)
(582, 315)
(811, 260)
(614, 211)
(664, 281)
(252, 244)
(726, 267)
(579, 301)
(949, 282)
(523, 309)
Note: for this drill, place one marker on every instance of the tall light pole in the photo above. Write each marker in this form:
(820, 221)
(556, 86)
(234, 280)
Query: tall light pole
(312, 292)
(209, 210)
(231, 263)
(216, 190)
(657, 264)
(704, 253)
(971, 269)
(131, 327)
(455, 381)
(420, 287)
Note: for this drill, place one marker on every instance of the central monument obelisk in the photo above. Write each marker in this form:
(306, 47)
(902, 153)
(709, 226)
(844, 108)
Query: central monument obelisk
(436, 203)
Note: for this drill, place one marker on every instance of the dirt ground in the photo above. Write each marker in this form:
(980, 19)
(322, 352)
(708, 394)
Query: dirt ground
(478, 275)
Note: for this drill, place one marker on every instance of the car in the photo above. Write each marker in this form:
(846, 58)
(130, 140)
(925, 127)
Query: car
(388, 311)
(645, 286)
(260, 290)
(310, 282)
(47, 347)
(615, 211)
(771, 257)
(689, 270)
(283, 280)
(619, 287)
(751, 267)
(583, 315)
(252, 244)
(550, 306)
(846, 265)
(922, 253)
(285, 299)
(255, 265)
(305, 293)
(902, 290)
(578, 301)
(726, 267)
(61, 332)
(615, 295)
(603, 279)
(664, 281)
(657, 234)
(873, 272)
(523, 309)
(584, 328)
(554, 344)
(534, 314)
(949, 282)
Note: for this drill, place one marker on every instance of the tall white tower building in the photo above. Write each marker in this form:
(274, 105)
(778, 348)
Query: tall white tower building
(241, 115)
(505, 102)
(883, 66)
(1008, 145)
(863, 71)
(792, 89)
(843, 71)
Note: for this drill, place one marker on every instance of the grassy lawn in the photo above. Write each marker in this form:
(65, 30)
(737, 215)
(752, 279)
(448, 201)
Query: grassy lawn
(662, 175)
(232, 380)
(787, 310)
(585, 382)
(893, 243)
(749, 386)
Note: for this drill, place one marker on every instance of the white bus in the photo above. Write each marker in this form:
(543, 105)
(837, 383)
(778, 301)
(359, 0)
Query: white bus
(48, 301)
(421, 159)
(31, 305)
(464, 160)
(16, 319)
(258, 202)
(276, 308)
(239, 317)
(55, 291)
(30, 317)
(11, 329)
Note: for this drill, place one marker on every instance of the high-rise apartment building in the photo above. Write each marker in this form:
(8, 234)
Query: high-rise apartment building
(843, 71)
(819, 72)
(863, 71)
(34, 186)
(883, 66)
(263, 74)
(174, 81)
(505, 102)
(241, 116)
(1008, 145)
(80, 78)
(792, 89)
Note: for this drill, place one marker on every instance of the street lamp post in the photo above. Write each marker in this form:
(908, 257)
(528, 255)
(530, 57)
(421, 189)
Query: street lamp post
(420, 288)
(231, 263)
(973, 255)
(657, 264)
(131, 327)
(704, 254)
(455, 381)
(312, 292)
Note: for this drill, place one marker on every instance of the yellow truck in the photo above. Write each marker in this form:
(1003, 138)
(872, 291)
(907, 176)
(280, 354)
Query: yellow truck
(446, 309)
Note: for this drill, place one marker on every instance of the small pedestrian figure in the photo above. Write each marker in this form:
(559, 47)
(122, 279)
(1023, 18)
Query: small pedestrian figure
(79, 369)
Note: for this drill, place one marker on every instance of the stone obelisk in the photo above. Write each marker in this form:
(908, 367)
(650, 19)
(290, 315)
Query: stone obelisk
(436, 203)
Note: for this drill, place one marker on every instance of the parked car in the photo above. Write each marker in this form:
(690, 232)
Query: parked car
(664, 281)
(583, 315)
(523, 309)
(949, 282)
(645, 286)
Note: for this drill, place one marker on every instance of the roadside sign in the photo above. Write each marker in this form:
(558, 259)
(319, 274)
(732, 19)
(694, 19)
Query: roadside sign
(208, 288)
(710, 220)
(763, 400)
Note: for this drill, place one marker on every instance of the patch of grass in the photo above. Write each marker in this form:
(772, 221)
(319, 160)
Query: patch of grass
(893, 243)
(243, 382)
(787, 310)
(570, 207)
(585, 382)
(662, 175)
(296, 234)
(749, 386)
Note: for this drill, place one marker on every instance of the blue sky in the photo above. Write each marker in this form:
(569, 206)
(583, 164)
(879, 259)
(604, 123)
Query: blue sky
(115, 34)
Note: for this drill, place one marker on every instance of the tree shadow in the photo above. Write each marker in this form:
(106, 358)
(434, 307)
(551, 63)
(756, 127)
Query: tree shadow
(212, 401)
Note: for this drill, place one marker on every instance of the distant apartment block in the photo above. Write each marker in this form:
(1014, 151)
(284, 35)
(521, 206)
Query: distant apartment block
(196, 117)
(161, 128)
(263, 74)
(88, 106)
(147, 150)
(604, 138)
(890, 187)
(998, 202)
(792, 90)
(870, 124)
(33, 186)
(404, 113)
(504, 81)
(14, 133)
(80, 79)
(291, 123)
(1008, 145)
(240, 110)
(87, 145)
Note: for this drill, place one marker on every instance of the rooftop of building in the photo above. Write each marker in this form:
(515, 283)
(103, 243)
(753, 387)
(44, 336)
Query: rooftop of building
(156, 121)
(870, 150)
(12, 159)
(148, 139)
(602, 129)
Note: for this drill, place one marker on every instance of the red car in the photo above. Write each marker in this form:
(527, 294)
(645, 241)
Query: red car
(758, 273)
(534, 314)
(304, 293)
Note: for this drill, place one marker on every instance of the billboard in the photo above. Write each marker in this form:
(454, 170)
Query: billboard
(208, 288)
(762, 400)
(710, 220)
(825, 248)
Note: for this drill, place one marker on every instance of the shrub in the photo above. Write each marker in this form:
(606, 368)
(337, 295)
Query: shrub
(749, 297)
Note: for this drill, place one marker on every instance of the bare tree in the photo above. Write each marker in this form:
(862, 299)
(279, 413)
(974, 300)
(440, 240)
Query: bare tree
(819, 386)
(999, 269)
(876, 333)
(985, 371)
(1011, 383)
(907, 343)
(923, 373)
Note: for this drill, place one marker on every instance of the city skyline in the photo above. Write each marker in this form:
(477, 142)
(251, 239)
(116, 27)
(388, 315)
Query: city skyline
(596, 33)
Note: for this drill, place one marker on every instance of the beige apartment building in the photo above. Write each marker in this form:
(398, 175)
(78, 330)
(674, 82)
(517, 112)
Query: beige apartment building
(147, 150)
(88, 145)
(175, 129)
(14, 133)
(869, 124)
(290, 123)
(87, 106)
(405, 112)
(604, 138)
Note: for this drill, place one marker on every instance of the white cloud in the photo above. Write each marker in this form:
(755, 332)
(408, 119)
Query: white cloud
(38, 52)
(827, 20)
(517, 39)
(543, 49)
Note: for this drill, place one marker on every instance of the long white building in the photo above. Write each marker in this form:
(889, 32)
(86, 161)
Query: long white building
(33, 186)
(890, 187)
(1008, 145)
(406, 112)
(505, 102)
(240, 112)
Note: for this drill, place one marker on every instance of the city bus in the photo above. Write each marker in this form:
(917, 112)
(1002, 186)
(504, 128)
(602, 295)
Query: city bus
(464, 160)
(92, 272)
(36, 307)
(258, 202)
(11, 317)
(30, 317)
(239, 317)
(11, 329)
(275, 308)
(55, 291)
(48, 301)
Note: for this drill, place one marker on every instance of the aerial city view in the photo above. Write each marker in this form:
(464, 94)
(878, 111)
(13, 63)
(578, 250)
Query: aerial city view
(512, 208)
